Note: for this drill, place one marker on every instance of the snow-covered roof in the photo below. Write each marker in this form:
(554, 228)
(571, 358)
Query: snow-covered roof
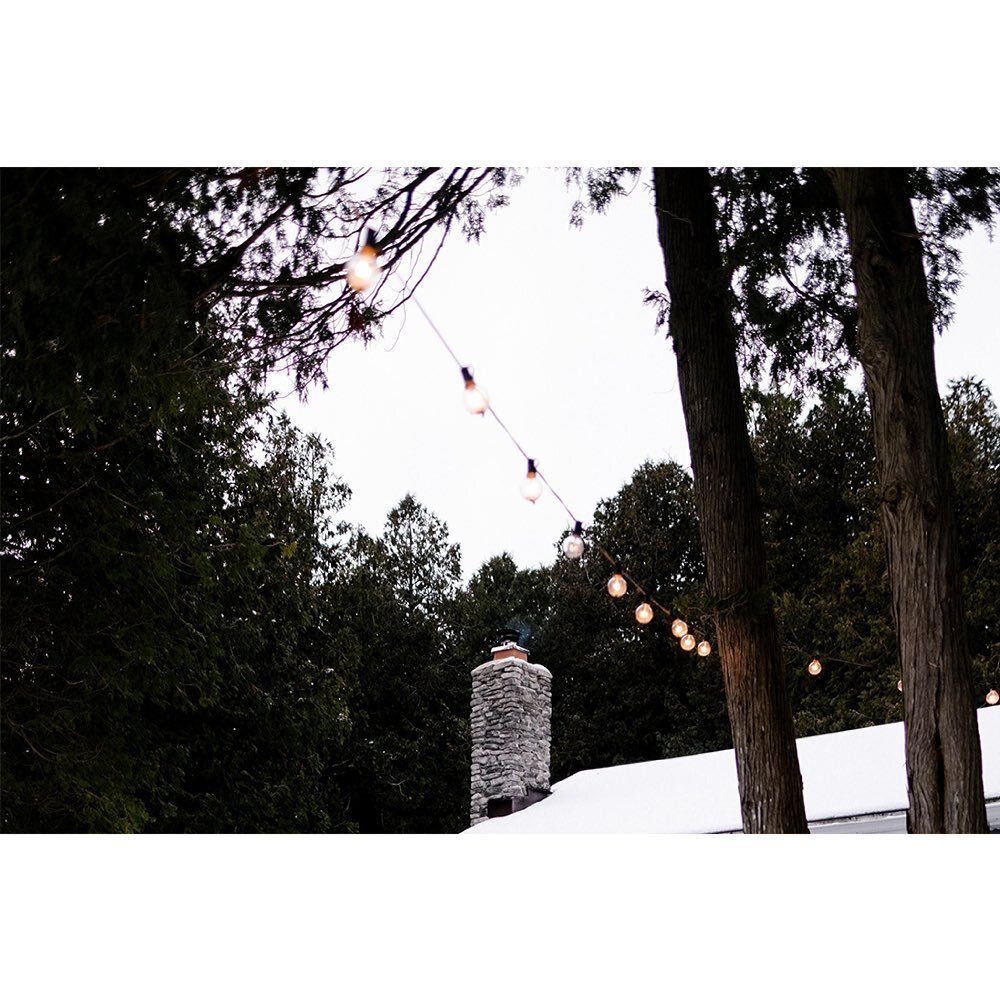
(857, 775)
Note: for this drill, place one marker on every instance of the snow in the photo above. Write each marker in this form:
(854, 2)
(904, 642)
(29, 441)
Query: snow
(855, 773)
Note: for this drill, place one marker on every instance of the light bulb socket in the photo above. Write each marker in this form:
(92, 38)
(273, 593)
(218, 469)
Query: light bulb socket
(469, 380)
(532, 471)
(578, 529)
(370, 241)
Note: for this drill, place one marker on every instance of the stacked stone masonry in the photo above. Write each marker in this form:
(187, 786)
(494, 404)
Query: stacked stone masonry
(511, 731)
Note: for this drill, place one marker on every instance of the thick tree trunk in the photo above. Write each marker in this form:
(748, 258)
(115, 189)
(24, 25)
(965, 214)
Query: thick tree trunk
(896, 348)
(725, 482)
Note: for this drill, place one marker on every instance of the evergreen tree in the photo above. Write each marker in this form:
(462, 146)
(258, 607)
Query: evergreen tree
(167, 662)
(499, 597)
(701, 329)
(104, 384)
(147, 684)
(405, 767)
(259, 751)
(974, 444)
(895, 342)
(825, 551)
(825, 546)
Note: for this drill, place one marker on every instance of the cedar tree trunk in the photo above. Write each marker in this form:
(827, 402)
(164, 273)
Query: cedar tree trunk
(725, 483)
(896, 349)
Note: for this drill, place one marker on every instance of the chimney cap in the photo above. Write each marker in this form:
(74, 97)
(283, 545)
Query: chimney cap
(509, 648)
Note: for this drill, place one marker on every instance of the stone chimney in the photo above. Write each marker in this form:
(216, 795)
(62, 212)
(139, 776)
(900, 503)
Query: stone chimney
(511, 732)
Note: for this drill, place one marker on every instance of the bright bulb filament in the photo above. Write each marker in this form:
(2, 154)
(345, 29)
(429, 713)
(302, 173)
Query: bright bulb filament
(531, 487)
(476, 400)
(362, 270)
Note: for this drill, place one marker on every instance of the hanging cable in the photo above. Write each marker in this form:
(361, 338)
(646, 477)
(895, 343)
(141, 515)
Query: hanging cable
(433, 326)
(573, 544)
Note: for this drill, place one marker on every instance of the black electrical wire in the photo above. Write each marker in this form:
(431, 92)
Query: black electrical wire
(517, 444)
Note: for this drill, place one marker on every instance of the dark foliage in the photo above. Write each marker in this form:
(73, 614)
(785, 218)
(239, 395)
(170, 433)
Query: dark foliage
(164, 662)
(405, 766)
(786, 254)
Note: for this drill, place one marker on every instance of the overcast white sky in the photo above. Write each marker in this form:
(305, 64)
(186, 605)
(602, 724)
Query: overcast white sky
(552, 320)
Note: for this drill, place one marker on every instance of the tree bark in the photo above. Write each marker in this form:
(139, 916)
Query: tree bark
(729, 514)
(896, 348)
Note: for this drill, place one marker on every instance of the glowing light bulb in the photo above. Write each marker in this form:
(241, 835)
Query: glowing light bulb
(617, 586)
(814, 667)
(899, 684)
(704, 647)
(531, 485)
(572, 545)
(476, 400)
(992, 697)
(363, 269)
(644, 614)
(679, 628)
(687, 642)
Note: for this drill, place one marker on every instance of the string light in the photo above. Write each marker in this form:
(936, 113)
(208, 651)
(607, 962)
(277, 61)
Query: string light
(572, 545)
(476, 400)
(362, 271)
(899, 685)
(992, 697)
(362, 268)
(531, 485)
(617, 585)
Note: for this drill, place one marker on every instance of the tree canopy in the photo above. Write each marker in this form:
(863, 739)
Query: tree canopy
(167, 660)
